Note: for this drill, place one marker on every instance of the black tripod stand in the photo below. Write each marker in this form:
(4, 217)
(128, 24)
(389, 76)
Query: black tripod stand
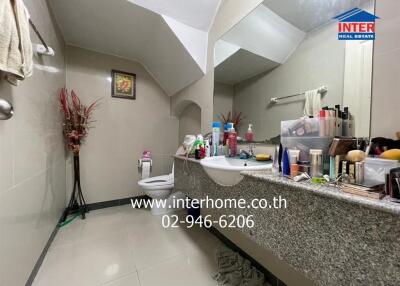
(77, 202)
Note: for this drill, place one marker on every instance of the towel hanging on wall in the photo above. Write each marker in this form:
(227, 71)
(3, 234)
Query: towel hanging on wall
(312, 105)
(16, 55)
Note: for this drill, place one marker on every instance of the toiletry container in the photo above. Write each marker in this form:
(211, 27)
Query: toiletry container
(208, 151)
(226, 132)
(310, 138)
(215, 137)
(376, 169)
(275, 164)
(316, 163)
(322, 125)
(249, 134)
(286, 163)
(232, 137)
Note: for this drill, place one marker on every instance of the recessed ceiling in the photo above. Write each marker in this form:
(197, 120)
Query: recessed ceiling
(308, 15)
(194, 13)
(242, 65)
(265, 33)
(174, 50)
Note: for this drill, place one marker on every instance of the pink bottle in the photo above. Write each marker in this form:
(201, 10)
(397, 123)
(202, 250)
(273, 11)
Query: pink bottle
(232, 137)
(249, 136)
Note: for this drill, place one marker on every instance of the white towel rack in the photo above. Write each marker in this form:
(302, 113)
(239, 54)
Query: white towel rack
(43, 49)
(321, 90)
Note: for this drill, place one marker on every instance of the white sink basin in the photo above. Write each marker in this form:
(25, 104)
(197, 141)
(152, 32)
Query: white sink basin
(226, 171)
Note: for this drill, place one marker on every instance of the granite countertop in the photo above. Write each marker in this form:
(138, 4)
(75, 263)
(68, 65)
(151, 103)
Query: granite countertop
(328, 191)
(180, 157)
(323, 190)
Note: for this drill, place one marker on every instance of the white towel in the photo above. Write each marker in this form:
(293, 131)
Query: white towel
(312, 105)
(16, 55)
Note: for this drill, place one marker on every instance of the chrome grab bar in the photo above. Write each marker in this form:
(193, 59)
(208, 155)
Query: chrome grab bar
(6, 109)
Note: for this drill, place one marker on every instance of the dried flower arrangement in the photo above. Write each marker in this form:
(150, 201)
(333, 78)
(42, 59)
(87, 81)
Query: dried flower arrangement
(235, 117)
(77, 119)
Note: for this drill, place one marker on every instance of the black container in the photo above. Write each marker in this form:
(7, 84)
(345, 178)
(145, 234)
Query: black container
(394, 184)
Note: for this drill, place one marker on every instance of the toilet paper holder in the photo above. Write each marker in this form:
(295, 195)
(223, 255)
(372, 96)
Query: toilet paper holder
(141, 161)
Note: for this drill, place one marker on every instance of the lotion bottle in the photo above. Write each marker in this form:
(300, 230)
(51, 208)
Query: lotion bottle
(249, 134)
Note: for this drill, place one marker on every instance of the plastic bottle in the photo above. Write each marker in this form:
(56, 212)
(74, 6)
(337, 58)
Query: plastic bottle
(286, 163)
(208, 151)
(322, 125)
(249, 134)
(232, 137)
(215, 137)
(226, 132)
(275, 164)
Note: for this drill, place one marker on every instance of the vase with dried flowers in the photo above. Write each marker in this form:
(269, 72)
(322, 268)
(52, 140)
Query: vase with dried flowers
(232, 117)
(77, 122)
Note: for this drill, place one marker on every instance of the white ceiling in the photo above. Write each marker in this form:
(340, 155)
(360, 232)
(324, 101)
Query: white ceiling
(310, 14)
(195, 13)
(242, 65)
(257, 44)
(165, 46)
(264, 33)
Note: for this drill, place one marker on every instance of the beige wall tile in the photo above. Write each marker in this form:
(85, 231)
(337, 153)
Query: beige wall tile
(123, 128)
(32, 157)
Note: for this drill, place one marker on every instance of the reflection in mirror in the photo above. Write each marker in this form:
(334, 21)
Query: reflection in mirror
(288, 47)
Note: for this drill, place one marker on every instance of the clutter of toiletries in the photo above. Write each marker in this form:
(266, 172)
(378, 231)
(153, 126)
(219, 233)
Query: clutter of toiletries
(323, 150)
(320, 149)
(221, 143)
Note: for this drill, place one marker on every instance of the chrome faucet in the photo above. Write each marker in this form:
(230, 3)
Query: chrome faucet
(249, 153)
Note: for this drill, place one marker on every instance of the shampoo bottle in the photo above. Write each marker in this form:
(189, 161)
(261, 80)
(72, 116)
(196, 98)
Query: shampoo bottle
(249, 134)
(215, 137)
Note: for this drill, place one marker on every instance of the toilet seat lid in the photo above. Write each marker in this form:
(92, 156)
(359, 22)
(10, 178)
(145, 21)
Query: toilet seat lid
(160, 181)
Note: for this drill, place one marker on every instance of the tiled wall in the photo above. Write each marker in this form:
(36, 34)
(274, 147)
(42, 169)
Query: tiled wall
(32, 157)
(386, 76)
(123, 127)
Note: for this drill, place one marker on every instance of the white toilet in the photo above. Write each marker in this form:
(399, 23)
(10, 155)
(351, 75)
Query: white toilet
(159, 188)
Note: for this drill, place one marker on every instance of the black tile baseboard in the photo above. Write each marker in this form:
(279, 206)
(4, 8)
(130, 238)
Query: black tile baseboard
(115, 203)
(39, 262)
(91, 207)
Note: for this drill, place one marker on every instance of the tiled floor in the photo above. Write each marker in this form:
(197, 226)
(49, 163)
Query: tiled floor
(122, 246)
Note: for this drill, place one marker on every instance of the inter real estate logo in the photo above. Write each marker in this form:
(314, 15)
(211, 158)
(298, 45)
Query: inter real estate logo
(356, 24)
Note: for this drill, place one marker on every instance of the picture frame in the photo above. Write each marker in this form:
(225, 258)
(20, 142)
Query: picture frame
(123, 84)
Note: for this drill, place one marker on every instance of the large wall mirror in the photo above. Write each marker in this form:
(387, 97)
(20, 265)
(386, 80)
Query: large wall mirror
(287, 47)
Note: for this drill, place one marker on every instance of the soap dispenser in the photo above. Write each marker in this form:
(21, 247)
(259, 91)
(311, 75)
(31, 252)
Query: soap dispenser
(249, 134)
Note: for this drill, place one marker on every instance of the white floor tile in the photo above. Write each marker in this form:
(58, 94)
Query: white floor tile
(183, 270)
(105, 223)
(124, 246)
(86, 263)
(130, 280)
(154, 244)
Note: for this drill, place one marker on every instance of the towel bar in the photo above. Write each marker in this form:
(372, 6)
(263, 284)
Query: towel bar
(321, 90)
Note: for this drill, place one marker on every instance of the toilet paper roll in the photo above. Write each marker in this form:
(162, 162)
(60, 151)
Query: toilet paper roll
(146, 170)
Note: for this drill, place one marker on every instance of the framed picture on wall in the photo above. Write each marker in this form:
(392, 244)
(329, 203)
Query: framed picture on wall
(123, 84)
